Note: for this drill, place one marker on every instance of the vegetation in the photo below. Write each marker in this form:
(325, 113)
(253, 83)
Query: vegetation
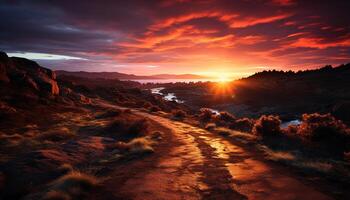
(205, 114)
(74, 185)
(243, 124)
(267, 125)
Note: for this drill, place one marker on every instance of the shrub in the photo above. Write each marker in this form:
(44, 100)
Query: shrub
(179, 114)
(205, 114)
(325, 129)
(318, 127)
(267, 125)
(74, 185)
(140, 146)
(128, 128)
(243, 124)
(226, 117)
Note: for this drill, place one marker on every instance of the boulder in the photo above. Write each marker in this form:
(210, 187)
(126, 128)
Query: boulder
(24, 73)
(3, 57)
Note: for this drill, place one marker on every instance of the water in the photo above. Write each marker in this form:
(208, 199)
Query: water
(293, 122)
(168, 96)
(215, 112)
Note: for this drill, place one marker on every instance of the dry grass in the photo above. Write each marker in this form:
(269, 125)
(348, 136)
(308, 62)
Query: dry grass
(56, 135)
(74, 185)
(278, 155)
(316, 166)
(109, 113)
(210, 126)
(10, 140)
(140, 145)
(127, 128)
(297, 160)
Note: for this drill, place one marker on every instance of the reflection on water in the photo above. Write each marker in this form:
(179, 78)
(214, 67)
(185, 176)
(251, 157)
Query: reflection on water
(216, 112)
(293, 122)
(168, 96)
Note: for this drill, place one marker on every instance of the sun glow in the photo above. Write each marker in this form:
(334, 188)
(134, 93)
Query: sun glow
(223, 78)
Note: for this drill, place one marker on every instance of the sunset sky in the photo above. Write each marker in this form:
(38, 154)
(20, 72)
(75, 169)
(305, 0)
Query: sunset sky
(209, 37)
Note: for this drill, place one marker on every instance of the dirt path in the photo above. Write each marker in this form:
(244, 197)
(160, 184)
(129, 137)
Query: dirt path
(199, 165)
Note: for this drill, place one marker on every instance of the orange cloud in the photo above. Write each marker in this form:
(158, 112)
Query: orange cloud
(251, 21)
(319, 43)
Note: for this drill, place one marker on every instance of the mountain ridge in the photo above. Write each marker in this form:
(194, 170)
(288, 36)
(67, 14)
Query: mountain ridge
(123, 76)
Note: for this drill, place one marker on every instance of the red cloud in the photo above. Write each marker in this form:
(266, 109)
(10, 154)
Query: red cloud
(251, 21)
(319, 43)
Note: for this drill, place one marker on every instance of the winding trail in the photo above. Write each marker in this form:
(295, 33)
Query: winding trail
(200, 165)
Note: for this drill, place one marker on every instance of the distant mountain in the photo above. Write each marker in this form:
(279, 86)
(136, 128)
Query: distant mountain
(180, 76)
(122, 76)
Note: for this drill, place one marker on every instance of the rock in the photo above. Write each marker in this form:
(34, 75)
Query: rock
(3, 74)
(3, 57)
(3, 61)
(21, 72)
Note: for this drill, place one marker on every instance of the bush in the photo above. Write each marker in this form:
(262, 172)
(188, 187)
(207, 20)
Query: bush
(74, 185)
(179, 114)
(226, 117)
(324, 129)
(205, 114)
(140, 146)
(243, 124)
(318, 127)
(128, 128)
(267, 125)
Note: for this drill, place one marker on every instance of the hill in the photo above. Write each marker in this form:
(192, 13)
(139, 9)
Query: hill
(122, 76)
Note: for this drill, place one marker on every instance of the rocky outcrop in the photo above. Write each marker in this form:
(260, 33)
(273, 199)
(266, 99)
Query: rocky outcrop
(3, 61)
(24, 73)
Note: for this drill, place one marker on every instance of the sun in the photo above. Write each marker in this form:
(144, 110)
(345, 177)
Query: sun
(223, 78)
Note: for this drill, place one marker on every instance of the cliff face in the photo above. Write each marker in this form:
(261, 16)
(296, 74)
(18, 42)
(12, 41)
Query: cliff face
(24, 73)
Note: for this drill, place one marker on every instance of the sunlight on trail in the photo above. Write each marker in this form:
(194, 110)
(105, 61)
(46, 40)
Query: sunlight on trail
(204, 165)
